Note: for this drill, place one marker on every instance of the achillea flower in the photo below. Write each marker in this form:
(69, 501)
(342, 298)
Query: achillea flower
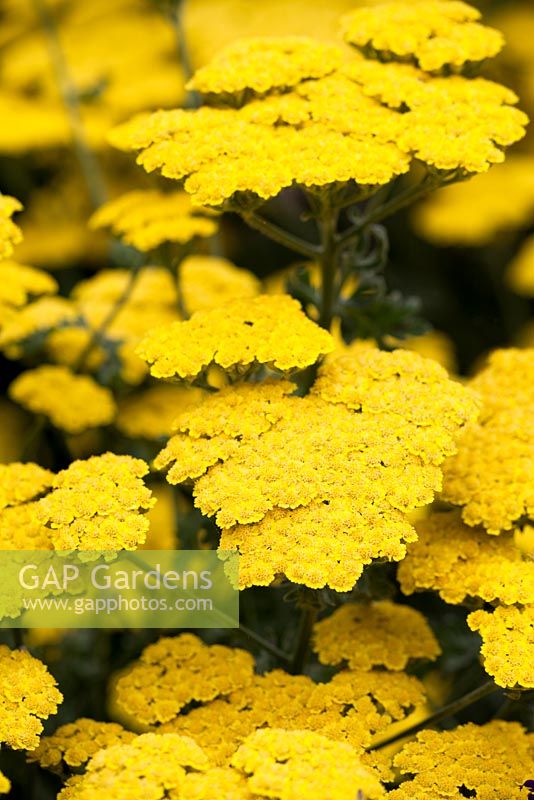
(10, 234)
(207, 282)
(434, 34)
(270, 330)
(21, 486)
(22, 482)
(520, 274)
(474, 212)
(74, 744)
(291, 764)
(492, 475)
(71, 402)
(487, 762)
(461, 562)
(147, 218)
(362, 449)
(176, 671)
(351, 708)
(36, 319)
(507, 644)
(150, 766)
(367, 635)
(262, 64)
(28, 694)
(5, 784)
(98, 504)
(150, 413)
(19, 283)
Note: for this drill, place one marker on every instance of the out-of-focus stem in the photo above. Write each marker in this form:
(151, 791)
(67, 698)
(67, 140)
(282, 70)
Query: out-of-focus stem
(329, 264)
(89, 164)
(281, 236)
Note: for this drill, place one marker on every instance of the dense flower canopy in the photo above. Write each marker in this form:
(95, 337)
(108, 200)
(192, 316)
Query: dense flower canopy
(303, 117)
(507, 640)
(75, 743)
(28, 695)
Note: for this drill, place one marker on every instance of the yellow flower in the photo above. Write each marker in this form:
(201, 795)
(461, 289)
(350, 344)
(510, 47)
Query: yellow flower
(292, 764)
(98, 504)
(434, 33)
(147, 218)
(176, 671)
(520, 274)
(367, 636)
(72, 402)
(492, 475)
(474, 212)
(10, 234)
(150, 413)
(5, 784)
(28, 695)
(19, 283)
(487, 762)
(22, 482)
(362, 450)
(507, 642)
(150, 766)
(266, 63)
(162, 517)
(207, 282)
(74, 744)
(461, 562)
(39, 317)
(269, 329)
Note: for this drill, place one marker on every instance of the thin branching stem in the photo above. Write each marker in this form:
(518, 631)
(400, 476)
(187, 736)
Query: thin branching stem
(265, 644)
(281, 236)
(444, 713)
(89, 163)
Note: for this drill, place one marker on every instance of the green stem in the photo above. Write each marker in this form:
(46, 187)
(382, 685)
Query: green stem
(34, 433)
(99, 333)
(309, 615)
(281, 236)
(444, 713)
(329, 261)
(88, 162)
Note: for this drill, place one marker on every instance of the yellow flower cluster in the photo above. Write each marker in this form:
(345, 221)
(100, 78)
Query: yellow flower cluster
(461, 562)
(176, 671)
(20, 528)
(365, 636)
(150, 766)
(520, 274)
(271, 330)
(18, 284)
(146, 219)
(487, 762)
(22, 482)
(98, 504)
(292, 764)
(262, 64)
(362, 449)
(10, 234)
(74, 744)
(71, 402)
(150, 413)
(435, 33)
(492, 475)
(36, 318)
(207, 282)
(5, 784)
(323, 122)
(507, 642)
(474, 212)
(28, 694)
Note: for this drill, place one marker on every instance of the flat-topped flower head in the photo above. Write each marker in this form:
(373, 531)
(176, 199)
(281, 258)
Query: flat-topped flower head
(73, 403)
(176, 671)
(362, 449)
(74, 744)
(98, 504)
(151, 413)
(461, 562)
(289, 764)
(20, 528)
(507, 642)
(262, 64)
(10, 234)
(365, 636)
(492, 475)
(146, 218)
(28, 695)
(20, 483)
(269, 330)
(434, 34)
(483, 761)
(151, 766)
(19, 283)
(207, 282)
